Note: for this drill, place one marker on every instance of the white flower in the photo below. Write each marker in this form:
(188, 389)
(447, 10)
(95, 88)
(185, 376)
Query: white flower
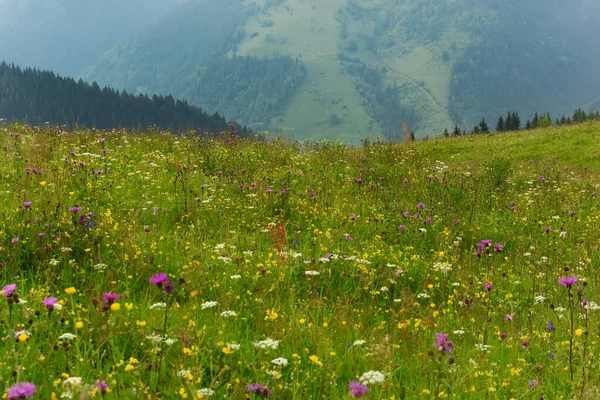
(324, 259)
(66, 249)
(235, 276)
(183, 372)
(359, 342)
(371, 377)
(384, 289)
(209, 304)
(228, 314)
(158, 305)
(280, 361)
(397, 300)
(155, 338)
(459, 332)
(170, 342)
(54, 262)
(67, 336)
(539, 299)
(100, 267)
(205, 392)
(233, 346)
(226, 260)
(422, 296)
(389, 265)
(483, 347)
(312, 273)
(267, 344)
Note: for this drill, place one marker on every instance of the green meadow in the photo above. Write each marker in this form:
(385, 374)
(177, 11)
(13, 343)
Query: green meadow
(158, 266)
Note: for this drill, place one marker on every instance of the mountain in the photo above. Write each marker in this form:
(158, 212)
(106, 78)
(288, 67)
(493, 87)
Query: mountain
(349, 69)
(67, 36)
(38, 97)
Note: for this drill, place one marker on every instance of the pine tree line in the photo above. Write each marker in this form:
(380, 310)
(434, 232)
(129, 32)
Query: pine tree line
(36, 97)
(512, 122)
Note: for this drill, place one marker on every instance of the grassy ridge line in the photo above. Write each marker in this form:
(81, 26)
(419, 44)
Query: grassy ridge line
(576, 144)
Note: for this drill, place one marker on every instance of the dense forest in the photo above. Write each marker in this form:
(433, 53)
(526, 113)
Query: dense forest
(202, 67)
(38, 96)
(382, 100)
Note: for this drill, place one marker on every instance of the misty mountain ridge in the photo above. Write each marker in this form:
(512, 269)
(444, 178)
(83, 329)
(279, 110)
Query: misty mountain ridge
(349, 69)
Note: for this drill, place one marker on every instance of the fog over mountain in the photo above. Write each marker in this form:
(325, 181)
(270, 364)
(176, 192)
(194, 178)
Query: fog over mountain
(325, 68)
(67, 35)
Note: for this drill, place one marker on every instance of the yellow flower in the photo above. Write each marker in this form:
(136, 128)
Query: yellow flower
(78, 325)
(315, 360)
(227, 350)
(302, 321)
(129, 367)
(70, 290)
(22, 337)
(115, 306)
(579, 331)
(183, 393)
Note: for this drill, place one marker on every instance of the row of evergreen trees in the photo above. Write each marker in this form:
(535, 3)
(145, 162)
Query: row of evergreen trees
(512, 122)
(37, 97)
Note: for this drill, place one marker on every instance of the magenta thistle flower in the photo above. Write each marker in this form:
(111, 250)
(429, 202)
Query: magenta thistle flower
(442, 343)
(159, 279)
(111, 297)
(488, 286)
(259, 389)
(102, 386)
(27, 204)
(525, 343)
(21, 390)
(168, 287)
(402, 227)
(568, 281)
(50, 302)
(9, 289)
(15, 240)
(509, 317)
(356, 389)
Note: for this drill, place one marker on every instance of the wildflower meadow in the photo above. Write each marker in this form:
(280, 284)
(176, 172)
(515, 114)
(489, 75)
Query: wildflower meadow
(160, 266)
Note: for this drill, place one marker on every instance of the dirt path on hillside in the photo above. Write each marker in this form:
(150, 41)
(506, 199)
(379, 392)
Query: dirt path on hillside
(403, 75)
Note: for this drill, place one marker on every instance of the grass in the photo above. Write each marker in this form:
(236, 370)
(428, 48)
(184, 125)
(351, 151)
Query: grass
(298, 269)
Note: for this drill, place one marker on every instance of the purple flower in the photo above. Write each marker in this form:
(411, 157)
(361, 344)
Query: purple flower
(399, 272)
(503, 335)
(406, 214)
(348, 237)
(75, 209)
(533, 383)
(102, 386)
(27, 204)
(498, 247)
(542, 178)
(567, 281)
(509, 317)
(548, 229)
(488, 286)
(525, 343)
(259, 389)
(442, 343)
(50, 302)
(551, 327)
(159, 279)
(420, 206)
(21, 390)
(15, 240)
(168, 287)
(9, 289)
(353, 218)
(111, 297)
(356, 389)
(402, 227)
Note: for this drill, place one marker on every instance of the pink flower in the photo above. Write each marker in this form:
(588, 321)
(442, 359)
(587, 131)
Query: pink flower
(9, 289)
(356, 389)
(50, 302)
(568, 281)
(159, 278)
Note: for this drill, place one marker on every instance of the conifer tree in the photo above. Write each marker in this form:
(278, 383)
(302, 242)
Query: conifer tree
(500, 124)
(483, 126)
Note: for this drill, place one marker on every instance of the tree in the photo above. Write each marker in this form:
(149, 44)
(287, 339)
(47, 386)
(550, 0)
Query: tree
(500, 124)
(483, 126)
(456, 131)
(528, 125)
(446, 134)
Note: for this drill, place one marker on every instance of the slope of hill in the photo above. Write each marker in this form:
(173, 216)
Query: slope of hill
(360, 68)
(40, 96)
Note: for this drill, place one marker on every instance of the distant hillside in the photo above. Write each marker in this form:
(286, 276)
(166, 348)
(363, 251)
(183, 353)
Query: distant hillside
(38, 96)
(349, 69)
